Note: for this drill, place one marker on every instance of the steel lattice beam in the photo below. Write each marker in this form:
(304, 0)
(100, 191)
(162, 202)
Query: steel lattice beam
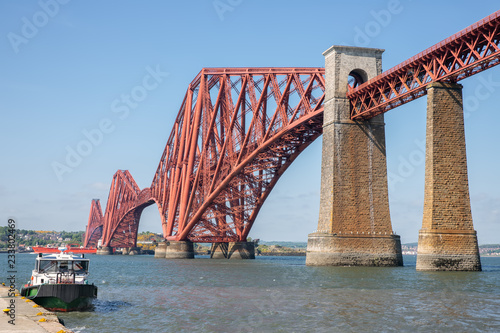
(95, 225)
(237, 131)
(123, 209)
(466, 53)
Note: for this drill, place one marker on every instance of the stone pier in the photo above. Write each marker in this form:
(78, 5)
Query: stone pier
(354, 226)
(134, 251)
(447, 240)
(105, 250)
(160, 250)
(233, 250)
(175, 250)
(219, 251)
(179, 250)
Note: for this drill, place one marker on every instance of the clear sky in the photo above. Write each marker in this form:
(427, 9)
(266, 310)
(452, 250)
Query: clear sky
(66, 65)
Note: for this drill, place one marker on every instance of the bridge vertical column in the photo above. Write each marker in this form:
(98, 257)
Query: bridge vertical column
(447, 240)
(354, 226)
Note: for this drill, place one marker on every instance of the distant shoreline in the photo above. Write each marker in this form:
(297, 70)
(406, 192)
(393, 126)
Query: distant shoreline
(282, 254)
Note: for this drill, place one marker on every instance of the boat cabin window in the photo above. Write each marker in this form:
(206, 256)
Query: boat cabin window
(63, 266)
(80, 267)
(48, 266)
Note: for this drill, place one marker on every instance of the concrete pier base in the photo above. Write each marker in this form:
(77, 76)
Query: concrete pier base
(219, 251)
(105, 250)
(354, 225)
(353, 250)
(179, 250)
(233, 250)
(241, 250)
(160, 250)
(132, 251)
(447, 240)
(448, 251)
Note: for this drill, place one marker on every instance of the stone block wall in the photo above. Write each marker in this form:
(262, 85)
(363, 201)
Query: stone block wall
(354, 226)
(447, 240)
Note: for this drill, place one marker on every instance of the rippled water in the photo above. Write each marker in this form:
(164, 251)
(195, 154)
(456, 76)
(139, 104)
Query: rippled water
(281, 294)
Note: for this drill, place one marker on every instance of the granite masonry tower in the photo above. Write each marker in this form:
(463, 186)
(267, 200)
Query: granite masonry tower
(354, 226)
(447, 240)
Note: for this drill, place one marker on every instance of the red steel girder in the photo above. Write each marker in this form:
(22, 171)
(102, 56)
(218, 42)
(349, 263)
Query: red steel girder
(123, 209)
(93, 232)
(237, 131)
(466, 53)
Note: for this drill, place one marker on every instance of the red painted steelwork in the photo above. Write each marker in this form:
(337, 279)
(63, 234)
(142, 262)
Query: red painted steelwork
(123, 210)
(237, 131)
(93, 231)
(466, 53)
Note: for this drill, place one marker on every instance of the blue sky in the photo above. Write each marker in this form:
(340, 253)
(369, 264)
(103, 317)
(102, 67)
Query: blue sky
(67, 65)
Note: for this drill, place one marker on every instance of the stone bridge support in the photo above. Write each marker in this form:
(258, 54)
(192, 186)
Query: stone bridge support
(175, 250)
(233, 250)
(105, 250)
(447, 240)
(354, 226)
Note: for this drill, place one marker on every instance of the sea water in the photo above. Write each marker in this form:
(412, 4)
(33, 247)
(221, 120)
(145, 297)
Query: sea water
(279, 294)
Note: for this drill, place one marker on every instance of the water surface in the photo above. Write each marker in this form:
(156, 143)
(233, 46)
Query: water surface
(280, 294)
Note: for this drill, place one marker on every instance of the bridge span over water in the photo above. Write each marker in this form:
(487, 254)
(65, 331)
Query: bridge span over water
(239, 129)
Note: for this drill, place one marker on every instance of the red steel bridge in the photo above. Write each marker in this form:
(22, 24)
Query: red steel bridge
(239, 129)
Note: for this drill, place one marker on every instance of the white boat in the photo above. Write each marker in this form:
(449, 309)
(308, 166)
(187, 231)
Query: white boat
(59, 282)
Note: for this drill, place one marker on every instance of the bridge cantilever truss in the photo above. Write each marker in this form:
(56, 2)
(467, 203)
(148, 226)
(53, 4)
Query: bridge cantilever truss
(118, 226)
(239, 129)
(96, 223)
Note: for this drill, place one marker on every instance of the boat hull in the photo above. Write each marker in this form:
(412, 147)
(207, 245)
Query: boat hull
(62, 297)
